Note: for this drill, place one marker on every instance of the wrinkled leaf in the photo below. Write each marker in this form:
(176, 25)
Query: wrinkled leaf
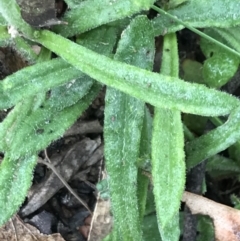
(226, 219)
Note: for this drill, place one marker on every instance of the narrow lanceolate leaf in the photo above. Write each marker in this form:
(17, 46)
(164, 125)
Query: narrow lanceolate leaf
(44, 125)
(40, 77)
(34, 79)
(15, 180)
(36, 126)
(11, 13)
(144, 158)
(122, 131)
(214, 141)
(24, 49)
(230, 35)
(168, 171)
(168, 166)
(62, 107)
(93, 13)
(39, 122)
(157, 89)
(13, 122)
(200, 14)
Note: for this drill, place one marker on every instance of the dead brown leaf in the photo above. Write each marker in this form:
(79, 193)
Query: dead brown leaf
(102, 221)
(16, 230)
(226, 219)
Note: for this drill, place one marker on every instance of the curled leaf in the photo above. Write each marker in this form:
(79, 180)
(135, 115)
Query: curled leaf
(226, 219)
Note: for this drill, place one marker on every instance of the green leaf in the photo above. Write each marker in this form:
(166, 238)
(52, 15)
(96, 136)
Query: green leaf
(168, 167)
(150, 228)
(113, 236)
(168, 171)
(44, 125)
(14, 120)
(220, 65)
(2, 21)
(93, 13)
(157, 89)
(4, 36)
(209, 48)
(214, 141)
(205, 228)
(192, 71)
(10, 11)
(56, 114)
(175, 3)
(145, 156)
(122, 131)
(219, 69)
(24, 49)
(34, 79)
(101, 39)
(200, 14)
(15, 180)
(36, 121)
(73, 3)
(230, 36)
(195, 123)
(221, 166)
(40, 77)
(69, 94)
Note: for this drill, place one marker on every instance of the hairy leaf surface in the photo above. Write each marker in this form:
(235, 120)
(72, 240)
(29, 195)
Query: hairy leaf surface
(214, 141)
(168, 166)
(157, 89)
(15, 180)
(200, 14)
(99, 13)
(122, 132)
